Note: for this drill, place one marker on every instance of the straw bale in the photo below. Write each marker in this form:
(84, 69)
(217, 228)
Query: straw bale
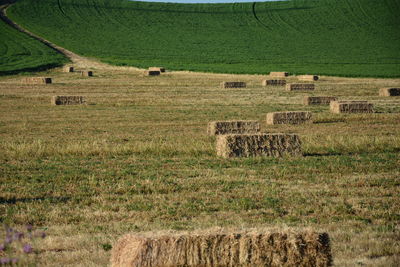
(160, 69)
(318, 100)
(68, 100)
(68, 69)
(389, 92)
(36, 80)
(151, 72)
(289, 117)
(351, 107)
(267, 248)
(308, 78)
(233, 127)
(253, 145)
(274, 82)
(278, 74)
(300, 86)
(233, 84)
(88, 73)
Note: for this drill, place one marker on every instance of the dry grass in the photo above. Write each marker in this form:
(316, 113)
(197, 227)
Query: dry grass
(208, 249)
(137, 159)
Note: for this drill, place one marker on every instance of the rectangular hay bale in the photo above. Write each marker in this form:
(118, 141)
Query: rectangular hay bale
(389, 92)
(68, 69)
(233, 85)
(152, 72)
(68, 100)
(273, 82)
(88, 73)
(308, 78)
(279, 74)
(300, 86)
(271, 248)
(160, 69)
(318, 100)
(256, 145)
(289, 117)
(233, 127)
(351, 107)
(36, 80)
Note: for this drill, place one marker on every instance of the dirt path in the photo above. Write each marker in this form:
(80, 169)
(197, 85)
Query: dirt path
(77, 60)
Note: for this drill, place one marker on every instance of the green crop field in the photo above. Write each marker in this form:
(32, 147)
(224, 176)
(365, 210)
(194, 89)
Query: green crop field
(19, 52)
(327, 37)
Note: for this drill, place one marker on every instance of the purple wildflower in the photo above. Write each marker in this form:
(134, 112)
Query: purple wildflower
(14, 260)
(18, 236)
(8, 240)
(2, 247)
(43, 235)
(4, 260)
(28, 248)
(29, 227)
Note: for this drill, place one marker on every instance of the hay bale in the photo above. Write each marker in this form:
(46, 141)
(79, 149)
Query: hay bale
(36, 80)
(256, 145)
(273, 248)
(68, 69)
(300, 86)
(151, 72)
(68, 100)
(274, 82)
(160, 69)
(86, 73)
(351, 107)
(389, 92)
(233, 127)
(318, 100)
(278, 74)
(290, 117)
(308, 78)
(233, 85)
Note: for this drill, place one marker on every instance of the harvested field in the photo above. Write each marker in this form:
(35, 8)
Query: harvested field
(258, 145)
(36, 80)
(308, 78)
(152, 73)
(233, 85)
(233, 127)
(273, 82)
(260, 249)
(289, 117)
(160, 69)
(88, 73)
(351, 107)
(68, 100)
(389, 92)
(300, 87)
(278, 74)
(318, 100)
(68, 69)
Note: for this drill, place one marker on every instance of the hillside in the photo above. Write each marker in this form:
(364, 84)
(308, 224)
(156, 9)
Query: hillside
(330, 37)
(19, 52)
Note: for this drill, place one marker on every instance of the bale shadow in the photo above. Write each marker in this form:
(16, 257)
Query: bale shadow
(13, 200)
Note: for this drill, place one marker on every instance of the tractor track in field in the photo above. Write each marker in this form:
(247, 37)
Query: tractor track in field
(77, 60)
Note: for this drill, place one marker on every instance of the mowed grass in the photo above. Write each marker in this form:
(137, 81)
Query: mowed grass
(21, 53)
(327, 37)
(137, 158)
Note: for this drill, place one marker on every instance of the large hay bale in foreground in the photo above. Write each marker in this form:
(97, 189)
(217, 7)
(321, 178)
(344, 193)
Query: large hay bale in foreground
(389, 92)
(279, 74)
(68, 69)
(87, 73)
(318, 100)
(160, 69)
(272, 249)
(289, 117)
(68, 100)
(233, 85)
(300, 86)
(36, 80)
(308, 78)
(151, 72)
(273, 82)
(233, 127)
(256, 145)
(351, 107)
